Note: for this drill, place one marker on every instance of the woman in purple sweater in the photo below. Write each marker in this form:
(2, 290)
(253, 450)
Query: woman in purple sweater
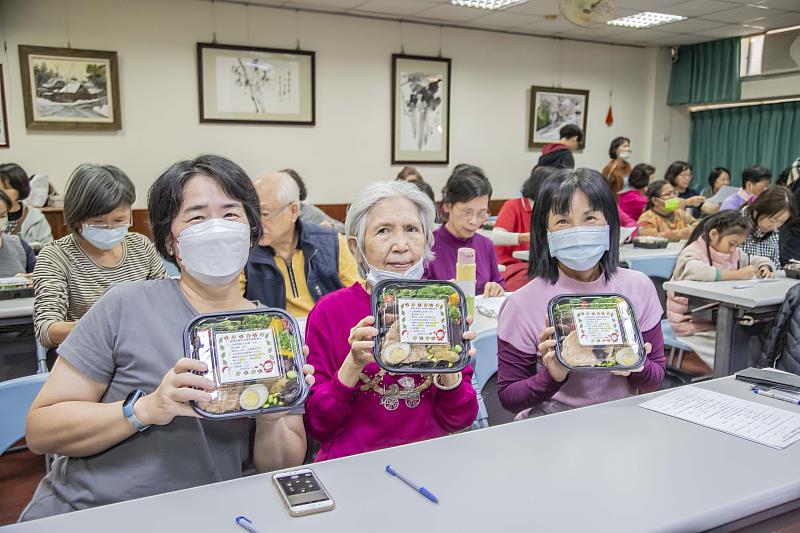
(574, 238)
(466, 205)
(356, 407)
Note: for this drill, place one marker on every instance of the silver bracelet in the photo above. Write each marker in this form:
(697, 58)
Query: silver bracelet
(451, 387)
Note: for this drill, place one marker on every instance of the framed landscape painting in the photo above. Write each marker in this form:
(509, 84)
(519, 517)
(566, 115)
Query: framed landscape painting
(420, 110)
(244, 84)
(4, 143)
(65, 89)
(553, 108)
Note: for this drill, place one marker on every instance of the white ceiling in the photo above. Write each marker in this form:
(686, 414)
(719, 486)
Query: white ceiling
(708, 19)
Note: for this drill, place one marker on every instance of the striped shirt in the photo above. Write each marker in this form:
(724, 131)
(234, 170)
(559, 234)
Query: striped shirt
(67, 282)
(769, 246)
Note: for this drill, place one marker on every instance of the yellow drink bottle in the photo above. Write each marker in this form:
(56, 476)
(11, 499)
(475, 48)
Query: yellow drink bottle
(466, 275)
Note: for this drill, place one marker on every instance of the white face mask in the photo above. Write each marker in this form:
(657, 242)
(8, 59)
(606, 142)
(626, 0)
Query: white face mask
(624, 155)
(3, 224)
(103, 238)
(414, 272)
(214, 252)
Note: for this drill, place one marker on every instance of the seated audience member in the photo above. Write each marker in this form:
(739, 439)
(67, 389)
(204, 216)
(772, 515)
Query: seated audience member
(664, 217)
(23, 220)
(126, 353)
(512, 229)
(574, 250)
(559, 154)
(412, 175)
(16, 257)
(618, 169)
(309, 213)
(633, 200)
(712, 254)
(355, 406)
(767, 214)
(465, 202)
(616, 185)
(294, 263)
(679, 175)
(720, 177)
(755, 180)
(74, 271)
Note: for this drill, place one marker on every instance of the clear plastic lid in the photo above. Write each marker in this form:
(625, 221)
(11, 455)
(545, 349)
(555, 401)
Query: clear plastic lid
(254, 357)
(596, 332)
(420, 326)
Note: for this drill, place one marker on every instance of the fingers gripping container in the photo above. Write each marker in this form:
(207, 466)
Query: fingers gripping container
(420, 325)
(596, 332)
(255, 358)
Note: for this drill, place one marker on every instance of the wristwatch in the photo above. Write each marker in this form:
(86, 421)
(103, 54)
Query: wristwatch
(127, 410)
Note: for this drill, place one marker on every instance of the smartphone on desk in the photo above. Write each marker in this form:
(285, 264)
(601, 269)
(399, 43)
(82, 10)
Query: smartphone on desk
(302, 493)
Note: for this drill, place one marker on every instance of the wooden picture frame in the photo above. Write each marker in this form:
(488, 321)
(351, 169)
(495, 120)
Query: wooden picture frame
(67, 89)
(4, 138)
(251, 85)
(420, 110)
(553, 108)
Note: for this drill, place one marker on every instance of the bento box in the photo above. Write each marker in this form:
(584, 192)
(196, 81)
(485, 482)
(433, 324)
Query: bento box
(652, 243)
(420, 326)
(255, 358)
(596, 332)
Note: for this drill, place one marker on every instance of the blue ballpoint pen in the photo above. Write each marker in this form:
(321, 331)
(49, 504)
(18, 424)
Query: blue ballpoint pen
(769, 393)
(422, 490)
(246, 524)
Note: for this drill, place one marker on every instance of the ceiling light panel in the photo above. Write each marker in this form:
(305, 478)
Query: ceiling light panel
(646, 19)
(491, 5)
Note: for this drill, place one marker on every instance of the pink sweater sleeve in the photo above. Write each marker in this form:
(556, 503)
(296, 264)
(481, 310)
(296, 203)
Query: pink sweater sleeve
(456, 409)
(519, 385)
(328, 404)
(651, 377)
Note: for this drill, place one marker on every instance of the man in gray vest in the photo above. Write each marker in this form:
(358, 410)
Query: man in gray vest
(294, 264)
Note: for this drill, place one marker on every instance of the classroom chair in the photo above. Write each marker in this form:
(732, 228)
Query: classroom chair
(16, 397)
(674, 343)
(484, 364)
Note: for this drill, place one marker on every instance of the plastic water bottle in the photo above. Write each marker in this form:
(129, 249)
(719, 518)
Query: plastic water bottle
(466, 275)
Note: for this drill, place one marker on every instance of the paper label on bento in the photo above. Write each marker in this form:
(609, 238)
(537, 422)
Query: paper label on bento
(423, 321)
(597, 327)
(246, 355)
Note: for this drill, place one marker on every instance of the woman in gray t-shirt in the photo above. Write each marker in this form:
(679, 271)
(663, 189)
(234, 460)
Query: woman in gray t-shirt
(205, 217)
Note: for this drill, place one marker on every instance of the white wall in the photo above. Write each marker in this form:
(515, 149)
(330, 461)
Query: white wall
(350, 144)
(671, 125)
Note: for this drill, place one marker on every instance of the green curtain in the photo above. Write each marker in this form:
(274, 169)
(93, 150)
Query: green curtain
(738, 137)
(706, 72)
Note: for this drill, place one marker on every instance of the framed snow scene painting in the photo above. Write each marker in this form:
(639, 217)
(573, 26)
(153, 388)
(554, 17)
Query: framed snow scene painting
(553, 108)
(66, 89)
(244, 84)
(420, 110)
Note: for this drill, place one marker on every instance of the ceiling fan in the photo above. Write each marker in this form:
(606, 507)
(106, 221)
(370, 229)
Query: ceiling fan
(587, 12)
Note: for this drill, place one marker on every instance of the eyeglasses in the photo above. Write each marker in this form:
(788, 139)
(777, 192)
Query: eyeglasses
(269, 214)
(468, 214)
(110, 226)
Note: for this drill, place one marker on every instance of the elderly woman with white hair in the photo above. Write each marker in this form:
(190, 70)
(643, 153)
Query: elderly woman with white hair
(389, 230)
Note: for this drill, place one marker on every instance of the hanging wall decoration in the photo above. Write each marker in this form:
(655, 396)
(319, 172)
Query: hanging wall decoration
(420, 110)
(65, 89)
(4, 143)
(244, 84)
(553, 108)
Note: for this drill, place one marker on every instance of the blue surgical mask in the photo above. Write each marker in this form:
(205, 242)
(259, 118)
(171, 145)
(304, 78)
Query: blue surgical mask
(103, 238)
(579, 248)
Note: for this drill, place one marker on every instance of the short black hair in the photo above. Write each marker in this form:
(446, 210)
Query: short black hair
(715, 174)
(556, 196)
(674, 170)
(530, 189)
(755, 174)
(615, 144)
(466, 183)
(6, 199)
(95, 190)
(166, 196)
(569, 131)
(654, 191)
(14, 176)
(298, 180)
(640, 175)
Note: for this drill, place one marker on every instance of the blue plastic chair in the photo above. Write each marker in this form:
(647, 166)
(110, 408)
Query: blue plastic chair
(654, 267)
(674, 342)
(16, 397)
(484, 362)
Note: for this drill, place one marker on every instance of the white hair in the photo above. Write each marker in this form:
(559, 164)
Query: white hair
(355, 224)
(286, 189)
